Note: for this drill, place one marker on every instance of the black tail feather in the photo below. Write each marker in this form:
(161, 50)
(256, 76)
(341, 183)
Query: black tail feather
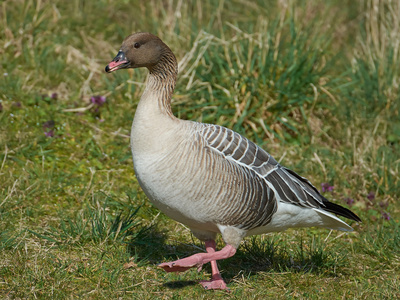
(340, 210)
(328, 206)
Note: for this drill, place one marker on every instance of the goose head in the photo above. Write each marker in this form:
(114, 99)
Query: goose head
(138, 50)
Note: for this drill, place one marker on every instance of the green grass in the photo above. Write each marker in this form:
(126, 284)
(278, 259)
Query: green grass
(315, 84)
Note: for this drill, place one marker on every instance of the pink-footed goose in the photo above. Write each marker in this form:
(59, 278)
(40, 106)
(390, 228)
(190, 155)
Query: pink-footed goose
(209, 177)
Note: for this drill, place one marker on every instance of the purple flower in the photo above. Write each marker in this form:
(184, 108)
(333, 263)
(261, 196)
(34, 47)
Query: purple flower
(17, 104)
(54, 96)
(386, 216)
(48, 128)
(49, 133)
(326, 187)
(371, 196)
(98, 100)
(349, 201)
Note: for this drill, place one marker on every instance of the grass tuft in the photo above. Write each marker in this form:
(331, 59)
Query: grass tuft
(274, 255)
(95, 225)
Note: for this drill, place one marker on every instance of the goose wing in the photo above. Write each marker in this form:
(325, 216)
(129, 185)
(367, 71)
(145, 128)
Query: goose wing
(288, 186)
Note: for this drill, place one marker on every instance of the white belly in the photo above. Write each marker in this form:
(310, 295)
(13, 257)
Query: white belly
(171, 191)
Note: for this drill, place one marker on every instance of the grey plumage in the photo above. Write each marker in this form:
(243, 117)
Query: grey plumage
(277, 181)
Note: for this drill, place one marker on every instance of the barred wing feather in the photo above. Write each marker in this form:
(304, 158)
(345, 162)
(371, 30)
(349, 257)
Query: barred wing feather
(287, 185)
(280, 183)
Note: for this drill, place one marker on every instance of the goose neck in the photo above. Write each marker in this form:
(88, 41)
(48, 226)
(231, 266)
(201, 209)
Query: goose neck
(161, 82)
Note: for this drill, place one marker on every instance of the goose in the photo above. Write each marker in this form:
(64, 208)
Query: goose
(208, 177)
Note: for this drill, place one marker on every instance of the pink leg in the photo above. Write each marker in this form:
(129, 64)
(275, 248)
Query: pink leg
(197, 260)
(216, 282)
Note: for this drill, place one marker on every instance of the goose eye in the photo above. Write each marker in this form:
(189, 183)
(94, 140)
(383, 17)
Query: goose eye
(137, 45)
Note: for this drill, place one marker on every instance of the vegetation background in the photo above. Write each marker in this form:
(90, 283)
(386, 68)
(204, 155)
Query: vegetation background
(316, 83)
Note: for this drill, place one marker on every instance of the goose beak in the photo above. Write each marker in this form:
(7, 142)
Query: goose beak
(119, 62)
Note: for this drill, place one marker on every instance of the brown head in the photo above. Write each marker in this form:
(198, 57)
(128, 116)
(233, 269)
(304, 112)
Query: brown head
(141, 49)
